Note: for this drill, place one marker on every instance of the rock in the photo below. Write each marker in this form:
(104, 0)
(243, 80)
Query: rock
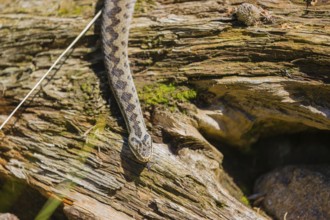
(296, 192)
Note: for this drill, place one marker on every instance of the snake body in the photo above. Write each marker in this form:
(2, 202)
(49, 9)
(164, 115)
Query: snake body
(116, 19)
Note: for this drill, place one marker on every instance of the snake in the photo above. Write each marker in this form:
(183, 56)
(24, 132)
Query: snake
(116, 20)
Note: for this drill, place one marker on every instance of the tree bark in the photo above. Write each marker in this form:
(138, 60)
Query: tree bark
(251, 82)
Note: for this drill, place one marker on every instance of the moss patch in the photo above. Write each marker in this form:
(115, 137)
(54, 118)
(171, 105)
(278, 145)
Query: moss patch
(245, 201)
(86, 88)
(165, 94)
(74, 11)
(69, 7)
(144, 5)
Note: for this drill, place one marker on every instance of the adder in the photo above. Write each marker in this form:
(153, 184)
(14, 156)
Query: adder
(116, 19)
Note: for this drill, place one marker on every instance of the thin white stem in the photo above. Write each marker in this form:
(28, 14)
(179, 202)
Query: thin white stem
(52, 67)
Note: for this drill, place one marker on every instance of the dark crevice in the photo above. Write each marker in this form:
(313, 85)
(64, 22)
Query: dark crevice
(305, 148)
(20, 199)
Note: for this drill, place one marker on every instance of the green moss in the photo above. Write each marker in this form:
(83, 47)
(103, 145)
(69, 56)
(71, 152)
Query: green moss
(101, 122)
(166, 94)
(76, 10)
(157, 94)
(245, 201)
(22, 11)
(86, 88)
(186, 95)
(144, 5)
(63, 11)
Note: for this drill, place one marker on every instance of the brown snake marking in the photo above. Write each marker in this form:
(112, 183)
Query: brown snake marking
(116, 19)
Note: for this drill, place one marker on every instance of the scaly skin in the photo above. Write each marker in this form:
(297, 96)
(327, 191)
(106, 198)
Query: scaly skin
(116, 19)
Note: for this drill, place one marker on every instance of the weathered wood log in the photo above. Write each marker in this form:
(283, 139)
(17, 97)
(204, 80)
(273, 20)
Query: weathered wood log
(250, 82)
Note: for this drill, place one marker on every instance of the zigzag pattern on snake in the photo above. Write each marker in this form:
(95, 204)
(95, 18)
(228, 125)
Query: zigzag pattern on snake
(116, 18)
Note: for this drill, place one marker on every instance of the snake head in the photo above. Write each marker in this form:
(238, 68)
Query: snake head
(141, 147)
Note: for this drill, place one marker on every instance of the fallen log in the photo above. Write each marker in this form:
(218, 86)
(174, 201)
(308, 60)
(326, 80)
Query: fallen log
(201, 76)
